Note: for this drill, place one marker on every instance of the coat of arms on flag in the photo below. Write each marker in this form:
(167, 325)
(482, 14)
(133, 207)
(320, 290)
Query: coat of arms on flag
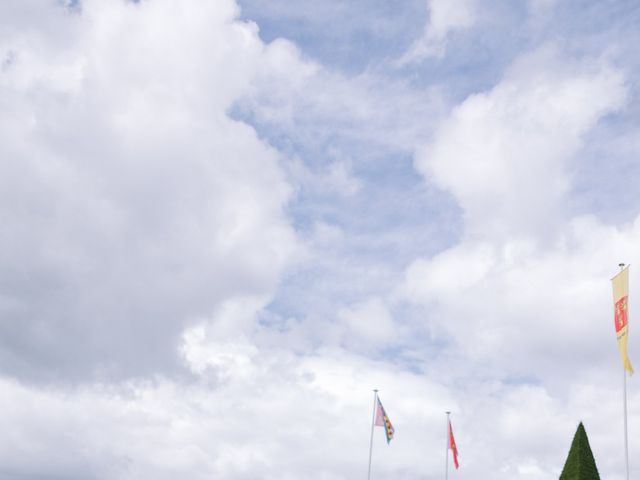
(382, 420)
(621, 314)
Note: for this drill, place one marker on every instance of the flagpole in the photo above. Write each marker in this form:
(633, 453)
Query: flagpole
(446, 457)
(626, 437)
(624, 403)
(373, 419)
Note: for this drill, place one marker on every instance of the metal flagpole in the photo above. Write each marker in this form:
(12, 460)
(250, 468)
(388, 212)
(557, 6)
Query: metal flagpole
(446, 457)
(626, 437)
(373, 420)
(624, 402)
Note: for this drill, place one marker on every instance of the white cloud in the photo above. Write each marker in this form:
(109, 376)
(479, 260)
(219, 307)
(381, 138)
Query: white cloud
(140, 222)
(333, 179)
(451, 272)
(505, 154)
(327, 235)
(525, 294)
(281, 416)
(314, 105)
(131, 203)
(445, 18)
(526, 289)
(369, 322)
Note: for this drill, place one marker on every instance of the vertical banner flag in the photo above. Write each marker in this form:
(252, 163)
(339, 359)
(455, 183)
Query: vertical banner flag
(383, 421)
(621, 314)
(452, 446)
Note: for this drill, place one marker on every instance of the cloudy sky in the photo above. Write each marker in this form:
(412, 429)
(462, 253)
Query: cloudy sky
(223, 223)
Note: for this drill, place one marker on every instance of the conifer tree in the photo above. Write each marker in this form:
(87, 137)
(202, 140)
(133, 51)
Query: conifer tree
(580, 464)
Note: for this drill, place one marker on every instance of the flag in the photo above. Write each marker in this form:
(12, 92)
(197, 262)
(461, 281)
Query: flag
(452, 446)
(621, 314)
(383, 421)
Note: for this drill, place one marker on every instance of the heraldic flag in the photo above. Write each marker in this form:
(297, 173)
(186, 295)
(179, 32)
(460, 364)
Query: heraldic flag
(452, 446)
(383, 421)
(621, 314)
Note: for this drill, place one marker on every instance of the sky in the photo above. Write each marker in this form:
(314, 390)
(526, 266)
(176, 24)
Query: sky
(223, 224)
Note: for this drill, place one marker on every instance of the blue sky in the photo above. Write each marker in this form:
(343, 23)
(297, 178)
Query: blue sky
(225, 223)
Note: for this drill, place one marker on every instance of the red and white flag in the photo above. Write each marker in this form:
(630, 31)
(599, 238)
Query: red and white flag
(452, 446)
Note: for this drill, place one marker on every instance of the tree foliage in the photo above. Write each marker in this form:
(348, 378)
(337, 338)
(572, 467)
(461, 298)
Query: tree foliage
(580, 464)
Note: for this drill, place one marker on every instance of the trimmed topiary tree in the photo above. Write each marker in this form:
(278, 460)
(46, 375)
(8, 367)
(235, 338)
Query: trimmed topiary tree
(580, 464)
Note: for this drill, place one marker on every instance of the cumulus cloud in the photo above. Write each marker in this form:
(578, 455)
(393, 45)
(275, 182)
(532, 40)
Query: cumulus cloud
(131, 203)
(445, 18)
(275, 415)
(370, 323)
(525, 292)
(524, 310)
(506, 154)
(146, 227)
(526, 289)
(271, 416)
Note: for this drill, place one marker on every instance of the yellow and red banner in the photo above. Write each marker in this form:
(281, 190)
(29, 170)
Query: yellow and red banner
(621, 314)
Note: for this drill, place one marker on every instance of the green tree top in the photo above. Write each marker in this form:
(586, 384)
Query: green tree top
(580, 464)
